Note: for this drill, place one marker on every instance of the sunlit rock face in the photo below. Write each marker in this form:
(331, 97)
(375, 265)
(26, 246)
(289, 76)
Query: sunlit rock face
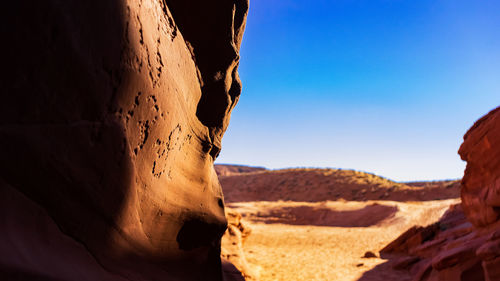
(111, 117)
(481, 181)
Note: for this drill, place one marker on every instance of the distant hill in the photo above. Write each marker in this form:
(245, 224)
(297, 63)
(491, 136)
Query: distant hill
(226, 169)
(244, 184)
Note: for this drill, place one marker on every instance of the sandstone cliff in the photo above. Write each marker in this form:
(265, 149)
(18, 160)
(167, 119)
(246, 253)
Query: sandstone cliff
(464, 245)
(111, 118)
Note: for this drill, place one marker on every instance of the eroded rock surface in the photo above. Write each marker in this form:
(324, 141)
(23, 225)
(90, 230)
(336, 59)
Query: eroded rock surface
(111, 118)
(233, 242)
(481, 181)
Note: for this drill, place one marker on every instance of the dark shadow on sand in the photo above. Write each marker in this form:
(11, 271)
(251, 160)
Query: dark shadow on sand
(385, 272)
(324, 216)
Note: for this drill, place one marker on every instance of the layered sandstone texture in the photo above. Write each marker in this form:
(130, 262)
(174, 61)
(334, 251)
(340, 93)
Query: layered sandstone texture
(464, 245)
(451, 249)
(111, 117)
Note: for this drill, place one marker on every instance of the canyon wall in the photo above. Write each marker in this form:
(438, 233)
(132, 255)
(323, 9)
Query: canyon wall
(111, 117)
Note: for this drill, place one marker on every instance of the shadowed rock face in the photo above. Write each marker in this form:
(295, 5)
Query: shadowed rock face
(111, 118)
(215, 45)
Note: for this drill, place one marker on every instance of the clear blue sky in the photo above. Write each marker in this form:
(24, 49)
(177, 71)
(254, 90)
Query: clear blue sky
(388, 87)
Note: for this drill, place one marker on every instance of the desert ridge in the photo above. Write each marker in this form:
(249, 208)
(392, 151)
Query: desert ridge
(315, 185)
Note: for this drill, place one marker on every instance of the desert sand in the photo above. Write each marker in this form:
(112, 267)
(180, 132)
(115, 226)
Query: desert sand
(328, 239)
(280, 248)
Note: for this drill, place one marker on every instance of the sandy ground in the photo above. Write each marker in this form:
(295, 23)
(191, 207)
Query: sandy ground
(327, 240)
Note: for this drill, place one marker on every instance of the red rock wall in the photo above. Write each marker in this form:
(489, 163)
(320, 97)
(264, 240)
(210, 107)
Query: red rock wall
(481, 181)
(111, 118)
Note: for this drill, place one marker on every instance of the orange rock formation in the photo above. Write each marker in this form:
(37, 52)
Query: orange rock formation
(111, 118)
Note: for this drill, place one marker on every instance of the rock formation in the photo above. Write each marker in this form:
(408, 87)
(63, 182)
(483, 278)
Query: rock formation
(111, 118)
(481, 181)
(465, 244)
(233, 242)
